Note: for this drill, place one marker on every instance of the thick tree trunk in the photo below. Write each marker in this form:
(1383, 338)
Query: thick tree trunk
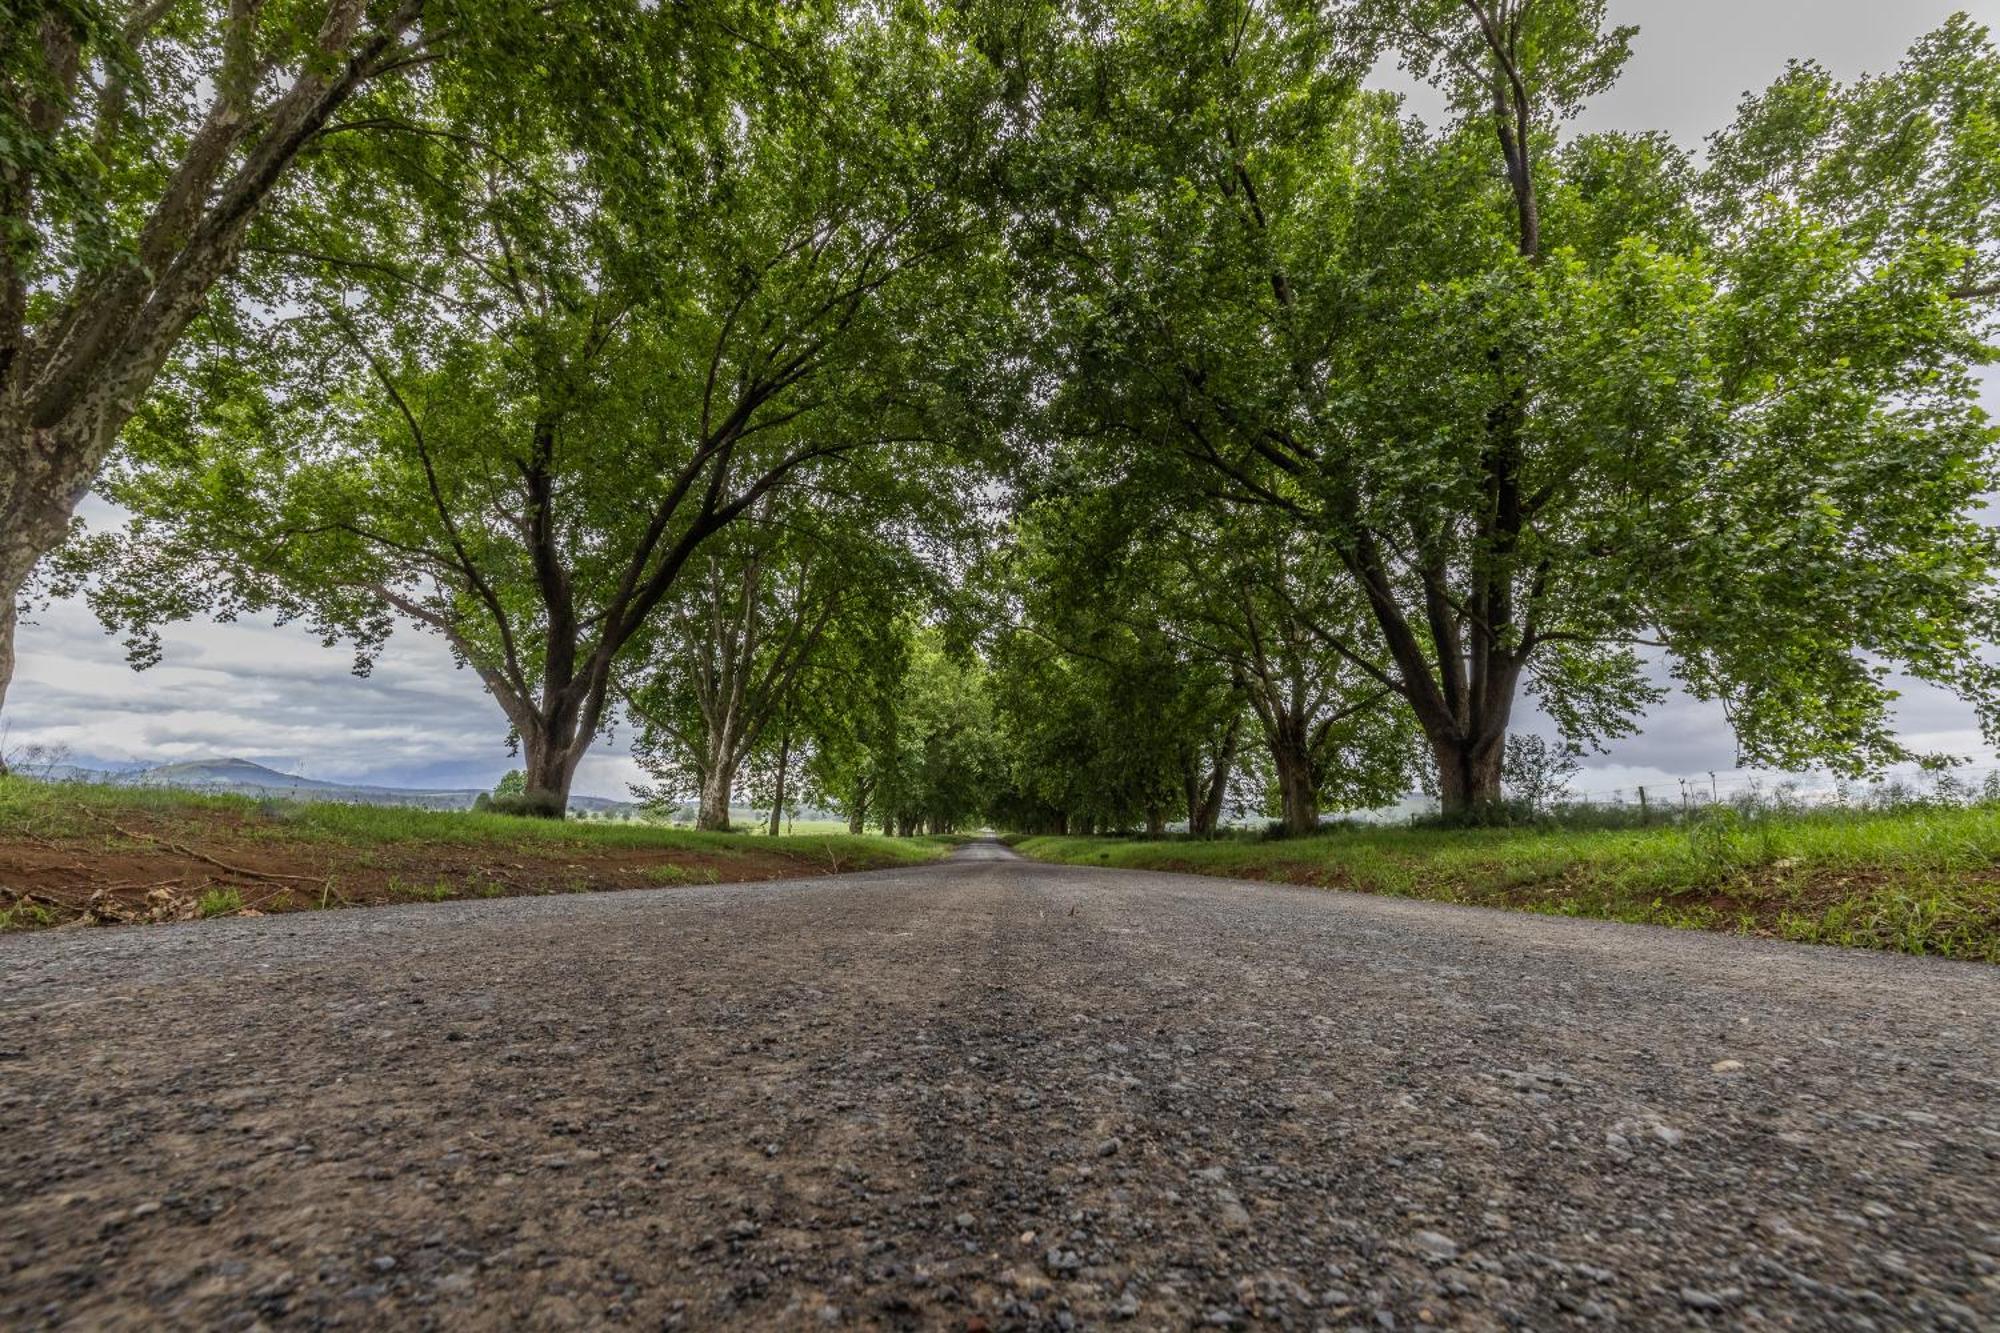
(1468, 773)
(47, 472)
(712, 812)
(857, 806)
(1298, 795)
(1156, 822)
(550, 768)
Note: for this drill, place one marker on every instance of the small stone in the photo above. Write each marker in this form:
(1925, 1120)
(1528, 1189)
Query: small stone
(964, 1221)
(1726, 1066)
(743, 1229)
(1668, 1135)
(1109, 1147)
(1435, 1245)
(829, 1315)
(146, 1209)
(1694, 1298)
(383, 1263)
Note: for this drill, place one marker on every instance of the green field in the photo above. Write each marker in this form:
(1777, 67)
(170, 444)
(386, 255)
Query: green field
(1923, 881)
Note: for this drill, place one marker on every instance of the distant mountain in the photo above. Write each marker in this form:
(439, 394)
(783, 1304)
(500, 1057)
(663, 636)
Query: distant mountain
(241, 777)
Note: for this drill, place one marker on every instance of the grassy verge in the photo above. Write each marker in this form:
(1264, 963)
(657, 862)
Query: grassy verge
(85, 853)
(1923, 881)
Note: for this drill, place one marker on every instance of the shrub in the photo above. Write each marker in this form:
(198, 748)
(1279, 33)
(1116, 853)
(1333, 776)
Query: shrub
(531, 805)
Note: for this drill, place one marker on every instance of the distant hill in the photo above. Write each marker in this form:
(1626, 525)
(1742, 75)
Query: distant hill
(241, 777)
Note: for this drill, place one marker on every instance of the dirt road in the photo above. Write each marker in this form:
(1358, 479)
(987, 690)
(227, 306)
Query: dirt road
(989, 1095)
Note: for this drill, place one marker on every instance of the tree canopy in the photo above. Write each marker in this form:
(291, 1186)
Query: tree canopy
(1083, 413)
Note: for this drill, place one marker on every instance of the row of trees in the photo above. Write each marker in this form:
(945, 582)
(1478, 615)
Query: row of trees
(672, 362)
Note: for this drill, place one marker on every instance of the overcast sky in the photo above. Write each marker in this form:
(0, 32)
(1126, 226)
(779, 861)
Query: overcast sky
(276, 696)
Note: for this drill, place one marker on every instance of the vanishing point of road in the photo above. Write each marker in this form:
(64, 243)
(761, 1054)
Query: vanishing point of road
(989, 1095)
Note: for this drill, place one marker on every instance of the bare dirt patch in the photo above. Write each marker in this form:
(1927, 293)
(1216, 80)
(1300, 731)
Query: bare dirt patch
(143, 867)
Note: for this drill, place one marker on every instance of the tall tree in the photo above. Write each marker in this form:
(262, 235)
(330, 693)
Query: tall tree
(946, 764)
(1234, 616)
(1551, 398)
(516, 418)
(742, 658)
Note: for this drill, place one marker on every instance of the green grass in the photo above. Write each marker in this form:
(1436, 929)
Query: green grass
(219, 902)
(69, 810)
(1917, 881)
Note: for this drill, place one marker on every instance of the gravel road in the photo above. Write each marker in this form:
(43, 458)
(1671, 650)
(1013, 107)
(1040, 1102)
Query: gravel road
(989, 1095)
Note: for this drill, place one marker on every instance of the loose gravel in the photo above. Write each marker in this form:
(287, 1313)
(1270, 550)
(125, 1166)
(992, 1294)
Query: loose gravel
(989, 1095)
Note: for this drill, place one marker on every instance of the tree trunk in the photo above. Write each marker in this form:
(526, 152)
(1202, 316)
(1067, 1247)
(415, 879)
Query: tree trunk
(1207, 806)
(1468, 773)
(718, 785)
(778, 792)
(33, 523)
(550, 768)
(9, 599)
(1156, 821)
(1298, 794)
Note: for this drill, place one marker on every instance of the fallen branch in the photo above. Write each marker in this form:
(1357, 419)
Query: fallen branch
(204, 857)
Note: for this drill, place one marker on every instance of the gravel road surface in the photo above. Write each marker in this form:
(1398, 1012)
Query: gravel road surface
(989, 1095)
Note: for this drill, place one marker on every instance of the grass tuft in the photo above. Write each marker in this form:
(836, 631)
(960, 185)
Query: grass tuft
(218, 902)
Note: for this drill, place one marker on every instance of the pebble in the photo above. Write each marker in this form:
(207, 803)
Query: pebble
(1694, 1298)
(1109, 1147)
(1726, 1066)
(1435, 1244)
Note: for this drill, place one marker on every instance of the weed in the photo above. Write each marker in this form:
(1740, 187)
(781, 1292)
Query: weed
(26, 916)
(436, 892)
(218, 902)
